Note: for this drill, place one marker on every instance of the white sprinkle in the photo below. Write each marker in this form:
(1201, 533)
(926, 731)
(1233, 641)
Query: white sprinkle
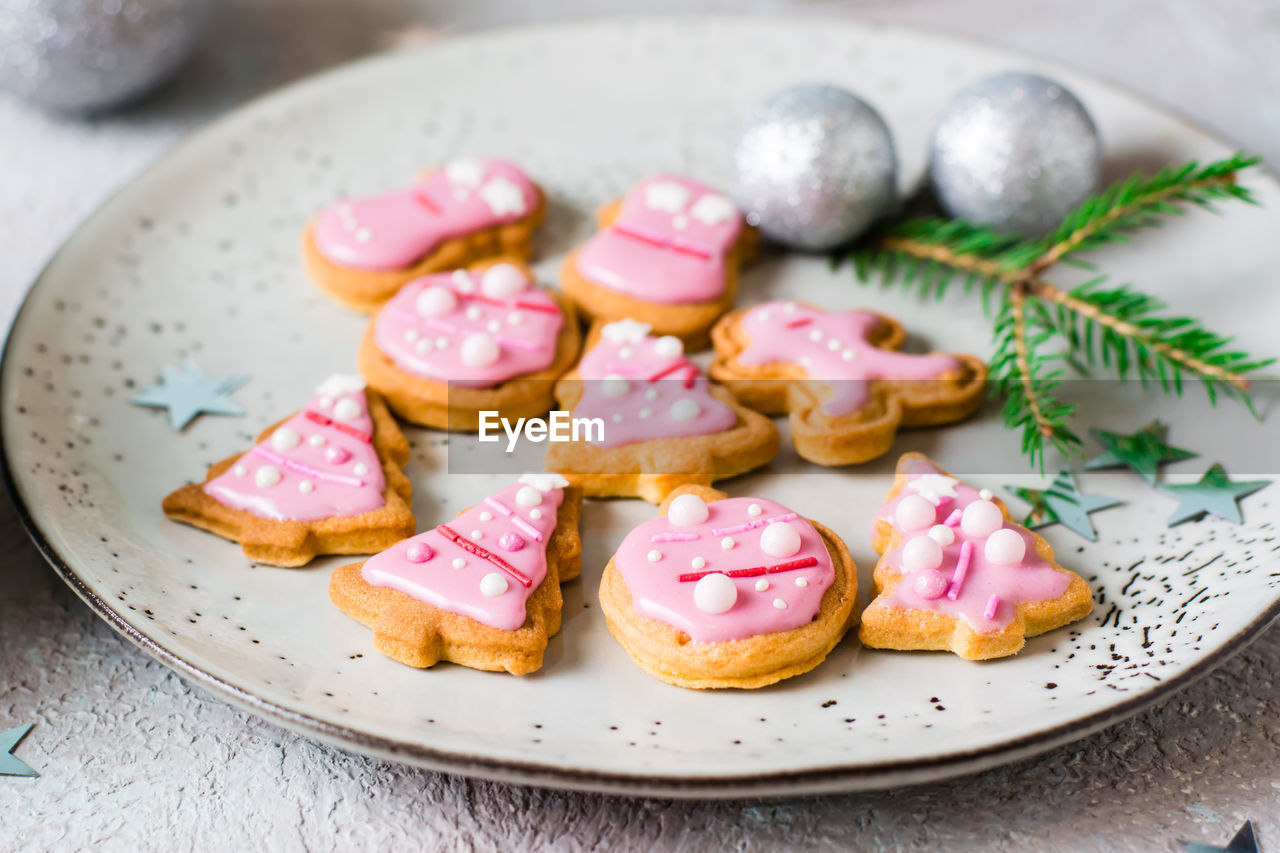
(654, 556)
(459, 563)
(266, 476)
(474, 312)
(754, 510)
(726, 543)
(535, 514)
(410, 335)
(477, 534)
(486, 516)
(494, 326)
(789, 308)
(515, 318)
(833, 345)
(765, 315)
(326, 402)
(779, 604)
(306, 487)
(493, 584)
(801, 582)
(360, 469)
(316, 440)
(363, 235)
(646, 412)
(762, 585)
(651, 394)
(422, 347)
(848, 355)
(239, 470)
(815, 335)
(442, 342)
(698, 562)
(626, 353)
(985, 494)
(617, 417)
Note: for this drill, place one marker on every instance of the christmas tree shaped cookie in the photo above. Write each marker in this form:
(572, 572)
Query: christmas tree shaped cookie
(661, 424)
(482, 590)
(958, 575)
(361, 250)
(840, 376)
(728, 592)
(667, 254)
(327, 480)
(450, 345)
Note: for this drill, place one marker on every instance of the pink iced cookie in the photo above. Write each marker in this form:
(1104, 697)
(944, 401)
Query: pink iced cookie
(395, 230)
(954, 554)
(473, 329)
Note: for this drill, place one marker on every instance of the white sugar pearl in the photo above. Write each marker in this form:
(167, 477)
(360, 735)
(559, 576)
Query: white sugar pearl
(687, 510)
(915, 512)
(802, 582)
(363, 235)
(528, 496)
(981, 519)
(316, 440)
(985, 494)
(754, 510)
(848, 355)
(833, 345)
(646, 413)
(921, 553)
(442, 342)
(535, 514)
(616, 417)
(422, 347)
(474, 313)
(651, 394)
(493, 326)
(815, 335)
(653, 556)
(485, 515)
(239, 470)
(697, 563)
(762, 585)
(360, 469)
(614, 385)
(462, 280)
(347, 409)
(626, 353)
(780, 539)
(502, 281)
(715, 593)
(410, 335)
(779, 604)
(942, 534)
(477, 534)
(435, 300)
(459, 563)
(266, 476)
(727, 543)
(1005, 547)
(515, 318)
(326, 402)
(479, 350)
(685, 410)
(306, 487)
(493, 584)
(668, 346)
(789, 308)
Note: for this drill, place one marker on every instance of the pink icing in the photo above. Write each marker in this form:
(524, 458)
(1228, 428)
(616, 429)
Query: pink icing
(658, 592)
(1031, 579)
(352, 487)
(525, 326)
(832, 346)
(668, 243)
(436, 580)
(395, 230)
(644, 411)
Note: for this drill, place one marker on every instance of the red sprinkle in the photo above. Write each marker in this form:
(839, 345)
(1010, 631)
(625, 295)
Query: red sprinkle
(672, 368)
(755, 571)
(795, 324)
(325, 420)
(466, 544)
(425, 200)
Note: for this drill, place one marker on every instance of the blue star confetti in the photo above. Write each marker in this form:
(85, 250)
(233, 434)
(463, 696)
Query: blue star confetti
(1245, 841)
(9, 765)
(1143, 451)
(1214, 493)
(1063, 503)
(186, 392)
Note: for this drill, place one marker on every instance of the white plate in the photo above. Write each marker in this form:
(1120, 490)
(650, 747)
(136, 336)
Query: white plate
(198, 258)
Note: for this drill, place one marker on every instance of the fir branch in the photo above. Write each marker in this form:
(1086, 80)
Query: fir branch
(1092, 324)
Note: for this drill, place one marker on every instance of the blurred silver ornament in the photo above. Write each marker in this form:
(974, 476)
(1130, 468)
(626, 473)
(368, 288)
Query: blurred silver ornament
(815, 165)
(78, 55)
(1015, 151)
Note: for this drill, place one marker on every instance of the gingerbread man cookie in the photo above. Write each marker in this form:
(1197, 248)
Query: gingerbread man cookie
(450, 345)
(667, 254)
(840, 376)
(361, 250)
(327, 480)
(728, 592)
(482, 590)
(662, 423)
(958, 575)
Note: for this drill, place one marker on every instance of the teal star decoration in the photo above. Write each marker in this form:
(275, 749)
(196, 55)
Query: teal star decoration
(1215, 493)
(1245, 841)
(9, 765)
(1063, 503)
(1143, 451)
(186, 392)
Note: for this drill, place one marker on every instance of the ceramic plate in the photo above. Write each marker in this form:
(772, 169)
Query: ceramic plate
(198, 259)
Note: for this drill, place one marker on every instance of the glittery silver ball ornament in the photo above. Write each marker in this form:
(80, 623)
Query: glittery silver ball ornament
(815, 165)
(1014, 151)
(78, 55)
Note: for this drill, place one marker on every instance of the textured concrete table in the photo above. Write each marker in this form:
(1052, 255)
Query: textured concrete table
(131, 756)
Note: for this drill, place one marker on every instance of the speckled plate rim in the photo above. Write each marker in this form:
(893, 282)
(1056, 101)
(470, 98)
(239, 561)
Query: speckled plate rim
(836, 778)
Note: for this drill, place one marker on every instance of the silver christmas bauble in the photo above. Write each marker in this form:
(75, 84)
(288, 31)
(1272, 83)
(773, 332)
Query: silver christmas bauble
(815, 165)
(78, 55)
(1015, 151)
